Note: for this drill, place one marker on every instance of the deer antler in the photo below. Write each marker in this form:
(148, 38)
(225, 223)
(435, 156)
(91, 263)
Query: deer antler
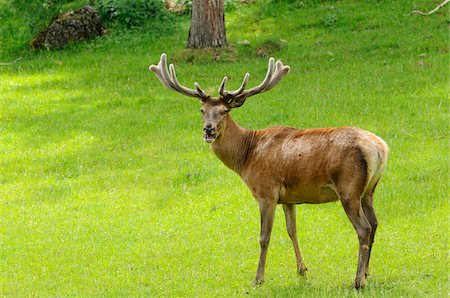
(167, 76)
(275, 72)
(169, 79)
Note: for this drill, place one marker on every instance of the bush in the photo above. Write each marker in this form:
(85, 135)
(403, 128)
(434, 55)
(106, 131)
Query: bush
(130, 13)
(21, 20)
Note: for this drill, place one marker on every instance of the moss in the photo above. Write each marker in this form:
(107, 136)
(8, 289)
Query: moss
(223, 54)
(270, 47)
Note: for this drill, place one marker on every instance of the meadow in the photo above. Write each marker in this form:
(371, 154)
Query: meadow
(108, 190)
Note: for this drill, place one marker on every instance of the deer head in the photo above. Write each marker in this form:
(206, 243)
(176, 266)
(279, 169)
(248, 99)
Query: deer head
(215, 109)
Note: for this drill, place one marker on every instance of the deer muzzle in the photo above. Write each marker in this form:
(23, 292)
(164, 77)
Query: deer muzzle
(209, 133)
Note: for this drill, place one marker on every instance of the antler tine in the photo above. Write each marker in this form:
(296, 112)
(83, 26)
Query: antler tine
(184, 90)
(261, 87)
(169, 79)
(279, 73)
(240, 94)
(160, 74)
(242, 87)
(200, 90)
(222, 90)
(275, 73)
(231, 94)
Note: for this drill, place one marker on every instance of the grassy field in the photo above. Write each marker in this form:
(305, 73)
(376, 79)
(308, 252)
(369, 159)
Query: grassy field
(107, 189)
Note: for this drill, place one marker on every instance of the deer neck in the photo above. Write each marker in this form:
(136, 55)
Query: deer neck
(233, 145)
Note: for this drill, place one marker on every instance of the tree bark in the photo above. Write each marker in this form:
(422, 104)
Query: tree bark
(207, 24)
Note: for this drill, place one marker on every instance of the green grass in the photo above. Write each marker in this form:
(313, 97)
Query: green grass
(107, 189)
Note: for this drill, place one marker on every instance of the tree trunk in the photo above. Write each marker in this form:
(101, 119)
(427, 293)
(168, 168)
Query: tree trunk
(207, 24)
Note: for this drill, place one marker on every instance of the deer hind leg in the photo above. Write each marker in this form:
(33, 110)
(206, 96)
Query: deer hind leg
(355, 213)
(291, 226)
(367, 205)
(267, 211)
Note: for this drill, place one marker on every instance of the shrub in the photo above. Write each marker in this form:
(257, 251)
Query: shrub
(21, 20)
(130, 13)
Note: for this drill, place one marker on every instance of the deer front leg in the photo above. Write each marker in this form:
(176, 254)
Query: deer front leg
(291, 227)
(267, 211)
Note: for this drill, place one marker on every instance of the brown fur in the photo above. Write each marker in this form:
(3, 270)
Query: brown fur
(284, 165)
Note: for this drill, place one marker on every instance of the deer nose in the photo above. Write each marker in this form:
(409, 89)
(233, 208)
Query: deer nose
(208, 128)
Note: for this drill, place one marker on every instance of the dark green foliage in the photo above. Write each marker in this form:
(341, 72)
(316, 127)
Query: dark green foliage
(331, 18)
(130, 13)
(22, 19)
(185, 6)
(230, 5)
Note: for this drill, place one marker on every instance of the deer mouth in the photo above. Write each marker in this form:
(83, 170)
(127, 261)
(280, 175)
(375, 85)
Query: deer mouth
(209, 136)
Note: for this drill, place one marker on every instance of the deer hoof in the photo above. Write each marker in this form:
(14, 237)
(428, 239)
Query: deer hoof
(302, 271)
(257, 281)
(358, 284)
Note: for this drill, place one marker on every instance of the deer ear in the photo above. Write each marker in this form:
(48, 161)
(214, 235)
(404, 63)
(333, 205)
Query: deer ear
(236, 103)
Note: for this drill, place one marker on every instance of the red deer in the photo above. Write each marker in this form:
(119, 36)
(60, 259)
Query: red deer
(288, 166)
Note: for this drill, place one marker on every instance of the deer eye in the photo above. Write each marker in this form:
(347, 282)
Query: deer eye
(202, 110)
(224, 111)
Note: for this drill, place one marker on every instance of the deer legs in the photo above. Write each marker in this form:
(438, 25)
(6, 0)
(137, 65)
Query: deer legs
(367, 205)
(355, 213)
(267, 211)
(360, 212)
(291, 226)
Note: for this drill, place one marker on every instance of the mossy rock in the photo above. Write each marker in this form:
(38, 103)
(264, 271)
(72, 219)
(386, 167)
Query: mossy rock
(68, 27)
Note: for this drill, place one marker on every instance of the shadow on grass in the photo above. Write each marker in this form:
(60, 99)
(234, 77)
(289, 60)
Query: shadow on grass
(376, 286)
